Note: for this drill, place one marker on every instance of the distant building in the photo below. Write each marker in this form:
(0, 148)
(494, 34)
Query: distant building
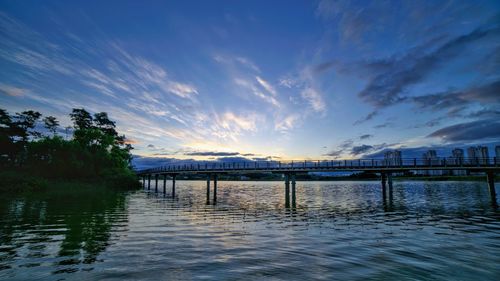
(430, 158)
(497, 154)
(478, 154)
(457, 158)
(393, 158)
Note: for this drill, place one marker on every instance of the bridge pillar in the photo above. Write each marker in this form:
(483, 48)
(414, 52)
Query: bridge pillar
(149, 181)
(143, 181)
(173, 185)
(215, 188)
(208, 188)
(383, 179)
(490, 177)
(156, 183)
(389, 181)
(293, 190)
(287, 191)
(164, 184)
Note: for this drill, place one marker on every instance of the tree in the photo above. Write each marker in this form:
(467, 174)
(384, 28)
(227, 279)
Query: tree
(6, 144)
(102, 122)
(81, 118)
(51, 124)
(25, 121)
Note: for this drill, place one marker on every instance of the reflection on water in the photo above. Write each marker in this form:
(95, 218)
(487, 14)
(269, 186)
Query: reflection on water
(336, 230)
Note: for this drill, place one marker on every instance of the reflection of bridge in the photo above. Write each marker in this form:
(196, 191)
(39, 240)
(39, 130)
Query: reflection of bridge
(386, 168)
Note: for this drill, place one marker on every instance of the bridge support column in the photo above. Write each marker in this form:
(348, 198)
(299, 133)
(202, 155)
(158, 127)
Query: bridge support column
(287, 191)
(293, 191)
(383, 179)
(490, 178)
(156, 183)
(208, 189)
(143, 181)
(215, 188)
(149, 181)
(164, 184)
(173, 185)
(389, 181)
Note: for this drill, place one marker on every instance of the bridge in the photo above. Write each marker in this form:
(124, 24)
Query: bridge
(289, 169)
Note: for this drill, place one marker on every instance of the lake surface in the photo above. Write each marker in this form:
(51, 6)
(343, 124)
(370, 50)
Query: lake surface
(336, 231)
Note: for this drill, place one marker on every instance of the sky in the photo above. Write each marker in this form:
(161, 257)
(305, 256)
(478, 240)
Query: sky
(211, 80)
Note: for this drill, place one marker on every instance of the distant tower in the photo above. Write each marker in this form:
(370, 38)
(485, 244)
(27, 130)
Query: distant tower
(478, 154)
(472, 155)
(457, 156)
(393, 158)
(497, 154)
(430, 158)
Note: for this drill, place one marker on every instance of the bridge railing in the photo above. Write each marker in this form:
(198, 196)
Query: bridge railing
(328, 164)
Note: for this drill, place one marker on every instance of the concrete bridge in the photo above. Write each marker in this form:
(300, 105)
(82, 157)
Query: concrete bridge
(384, 167)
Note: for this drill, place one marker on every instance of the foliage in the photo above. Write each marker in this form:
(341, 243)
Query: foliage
(96, 150)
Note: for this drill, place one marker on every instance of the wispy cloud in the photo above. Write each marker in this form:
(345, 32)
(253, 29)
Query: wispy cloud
(314, 98)
(12, 91)
(256, 91)
(266, 85)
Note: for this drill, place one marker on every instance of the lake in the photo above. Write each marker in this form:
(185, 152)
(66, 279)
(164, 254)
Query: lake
(336, 231)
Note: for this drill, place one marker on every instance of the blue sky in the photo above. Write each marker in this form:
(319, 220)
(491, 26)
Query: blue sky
(257, 79)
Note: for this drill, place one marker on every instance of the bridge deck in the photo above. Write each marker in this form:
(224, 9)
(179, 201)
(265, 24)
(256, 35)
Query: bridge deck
(369, 165)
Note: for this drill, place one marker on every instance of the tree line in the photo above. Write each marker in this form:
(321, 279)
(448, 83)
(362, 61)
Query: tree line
(94, 150)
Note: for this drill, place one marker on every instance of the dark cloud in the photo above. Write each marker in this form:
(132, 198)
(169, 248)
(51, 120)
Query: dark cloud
(397, 74)
(324, 67)
(366, 118)
(365, 137)
(383, 125)
(471, 131)
(456, 101)
(151, 146)
(334, 153)
(211, 153)
(429, 124)
(484, 113)
(360, 149)
(233, 159)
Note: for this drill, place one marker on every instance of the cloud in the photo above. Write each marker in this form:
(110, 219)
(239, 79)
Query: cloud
(12, 91)
(237, 60)
(429, 124)
(181, 89)
(484, 113)
(287, 123)
(456, 101)
(266, 85)
(368, 117)
(388, 86)
(314, 99)
(361, 149)
(383, 125)
(230, 125)
(288, 82)
(257, 92)
(365, 137)
(470, 131)
(212, 153)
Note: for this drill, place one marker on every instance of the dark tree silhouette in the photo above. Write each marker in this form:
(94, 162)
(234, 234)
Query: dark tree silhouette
(103, 123)
(81, 118)
(51, 124)
(25, 121)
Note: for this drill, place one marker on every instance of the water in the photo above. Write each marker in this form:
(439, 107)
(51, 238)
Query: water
(336, 231)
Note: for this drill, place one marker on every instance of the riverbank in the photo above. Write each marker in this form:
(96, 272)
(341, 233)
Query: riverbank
(23, 182)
